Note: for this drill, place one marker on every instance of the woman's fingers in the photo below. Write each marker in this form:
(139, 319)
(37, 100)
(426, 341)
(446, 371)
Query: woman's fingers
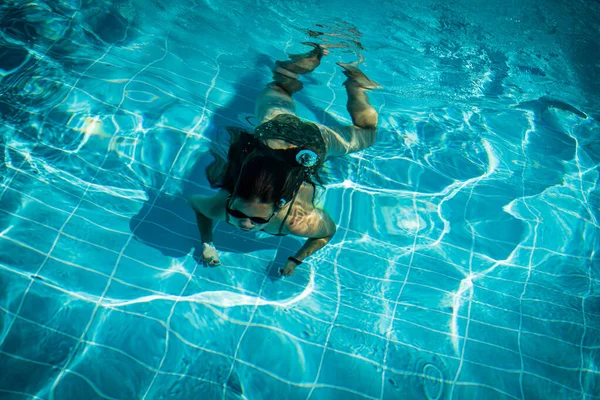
(210, 255)
(212, 261)
(287, 271)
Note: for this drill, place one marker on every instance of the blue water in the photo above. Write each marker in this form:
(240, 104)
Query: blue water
(465, 264)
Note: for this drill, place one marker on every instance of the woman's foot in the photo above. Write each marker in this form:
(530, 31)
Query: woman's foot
(357, 77)
(286, 81)
(304, 63)
(362, 113)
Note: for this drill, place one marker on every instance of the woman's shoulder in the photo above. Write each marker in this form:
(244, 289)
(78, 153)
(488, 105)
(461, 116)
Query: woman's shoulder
(305, 220)
(302, 207)
(212, 206)
(306, 194)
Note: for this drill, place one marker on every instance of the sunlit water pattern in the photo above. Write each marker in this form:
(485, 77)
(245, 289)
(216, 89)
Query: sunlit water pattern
(465, 265)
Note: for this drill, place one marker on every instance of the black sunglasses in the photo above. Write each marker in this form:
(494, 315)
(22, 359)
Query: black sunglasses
(255, 220)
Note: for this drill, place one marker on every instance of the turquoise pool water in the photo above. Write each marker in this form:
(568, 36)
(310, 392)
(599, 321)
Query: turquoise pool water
(465, 264)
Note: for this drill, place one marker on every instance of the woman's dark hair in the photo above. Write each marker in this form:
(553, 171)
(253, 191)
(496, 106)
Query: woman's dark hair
(255, 171)
(270, 177)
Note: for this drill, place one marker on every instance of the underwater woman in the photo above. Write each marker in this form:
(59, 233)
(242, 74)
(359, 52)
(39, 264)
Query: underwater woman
(268, 179)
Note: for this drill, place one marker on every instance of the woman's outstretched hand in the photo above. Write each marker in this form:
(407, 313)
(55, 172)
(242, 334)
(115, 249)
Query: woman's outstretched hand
(210, 255)
(288, 269)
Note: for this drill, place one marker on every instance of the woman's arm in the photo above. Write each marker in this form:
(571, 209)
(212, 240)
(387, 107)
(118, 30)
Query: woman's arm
(319, 228)
(209, 208)
(205, 226)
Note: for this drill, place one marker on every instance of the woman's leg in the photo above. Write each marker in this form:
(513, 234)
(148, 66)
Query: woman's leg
(276, 98)
(363, 133)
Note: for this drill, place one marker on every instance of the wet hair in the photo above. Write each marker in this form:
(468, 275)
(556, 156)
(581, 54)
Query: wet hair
(269, 178)
(254, 171)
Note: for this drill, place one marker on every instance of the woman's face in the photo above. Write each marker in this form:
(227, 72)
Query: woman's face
(249, 215)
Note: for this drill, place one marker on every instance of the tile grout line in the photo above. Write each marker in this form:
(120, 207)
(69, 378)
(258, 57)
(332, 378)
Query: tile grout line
(88, 326)
(534, 242)
(247, 325)
(54, 244)
(200, 121)
(390, 329)
(338, 285)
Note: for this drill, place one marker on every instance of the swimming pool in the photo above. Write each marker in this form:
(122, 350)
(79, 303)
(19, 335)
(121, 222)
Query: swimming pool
(465, 264)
